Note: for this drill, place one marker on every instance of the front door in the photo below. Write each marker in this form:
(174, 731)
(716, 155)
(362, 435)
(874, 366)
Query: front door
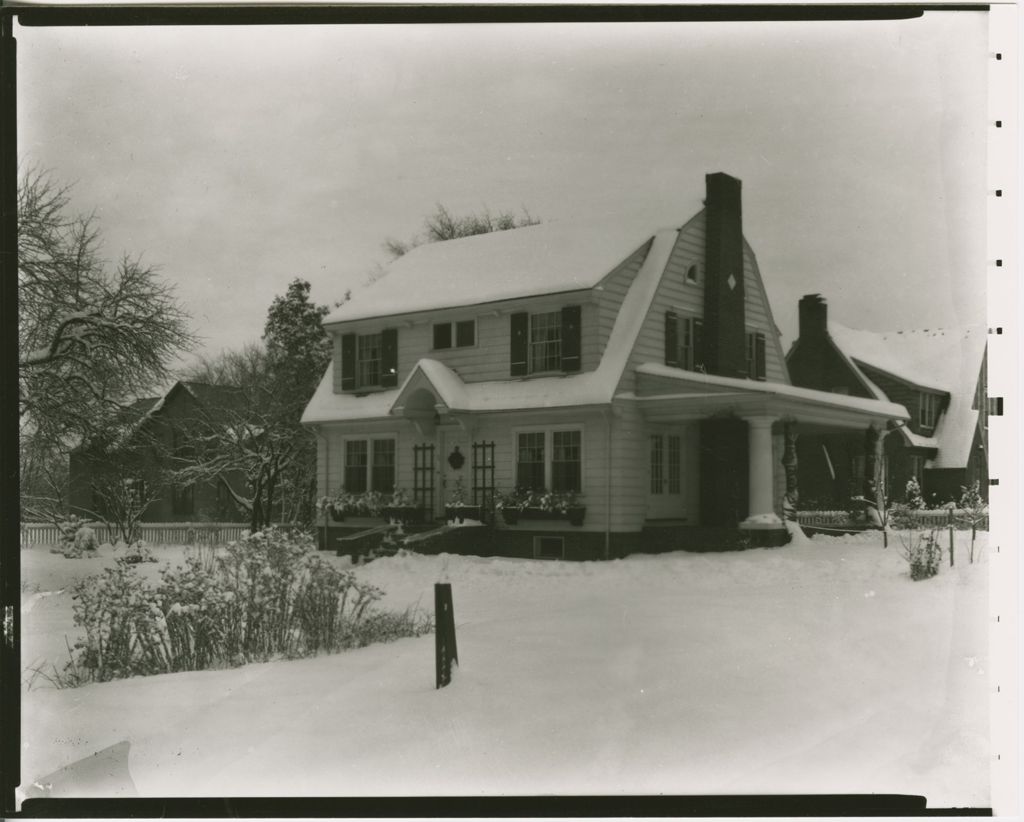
(666, 498)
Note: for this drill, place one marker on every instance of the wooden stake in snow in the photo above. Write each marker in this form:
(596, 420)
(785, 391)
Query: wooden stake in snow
(444, 633)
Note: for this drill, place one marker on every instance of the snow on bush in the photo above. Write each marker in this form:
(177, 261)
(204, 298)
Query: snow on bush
(269, 595)
(76, 538)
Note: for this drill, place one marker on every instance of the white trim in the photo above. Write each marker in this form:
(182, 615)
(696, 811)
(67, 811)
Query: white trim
(548, 431)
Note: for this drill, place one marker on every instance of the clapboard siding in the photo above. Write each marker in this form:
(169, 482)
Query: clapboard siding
(759, 318)
(629, 468)
(686, 298)
(489, 358)
(674, 293)
(612, 291)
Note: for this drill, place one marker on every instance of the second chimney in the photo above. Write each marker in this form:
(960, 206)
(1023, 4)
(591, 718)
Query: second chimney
(813, 316)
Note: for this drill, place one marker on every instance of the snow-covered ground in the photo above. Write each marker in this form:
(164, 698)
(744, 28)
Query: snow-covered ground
(819, 667)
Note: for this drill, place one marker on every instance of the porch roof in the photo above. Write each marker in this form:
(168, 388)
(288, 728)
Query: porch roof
(672, 393)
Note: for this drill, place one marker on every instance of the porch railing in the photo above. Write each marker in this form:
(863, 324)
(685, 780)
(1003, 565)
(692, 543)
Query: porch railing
(926, 519)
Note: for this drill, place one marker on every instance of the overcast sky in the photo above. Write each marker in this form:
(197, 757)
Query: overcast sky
(239, 158)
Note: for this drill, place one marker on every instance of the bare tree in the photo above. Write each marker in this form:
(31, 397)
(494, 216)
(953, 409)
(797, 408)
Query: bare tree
(254, 436)
(90, 336)
(443, 225)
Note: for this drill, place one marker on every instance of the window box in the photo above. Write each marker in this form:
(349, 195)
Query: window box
(574, 514)
(405, 514)
(460, 513)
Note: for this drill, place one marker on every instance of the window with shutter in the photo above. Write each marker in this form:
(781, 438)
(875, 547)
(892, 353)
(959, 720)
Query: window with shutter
(348, 362)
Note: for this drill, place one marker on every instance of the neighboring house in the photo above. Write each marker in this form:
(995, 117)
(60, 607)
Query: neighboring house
(938, 374)
(152, 436)
(639, 368)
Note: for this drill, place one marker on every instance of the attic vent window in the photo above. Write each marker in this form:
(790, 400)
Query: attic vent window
(691, 273)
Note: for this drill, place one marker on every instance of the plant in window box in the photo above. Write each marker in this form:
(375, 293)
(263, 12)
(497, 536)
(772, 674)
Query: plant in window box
(347, 504)
(401, 508)
(456, 508)
(544, 504)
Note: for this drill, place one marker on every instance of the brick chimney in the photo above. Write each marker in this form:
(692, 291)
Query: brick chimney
(724, 311)
(813, 316)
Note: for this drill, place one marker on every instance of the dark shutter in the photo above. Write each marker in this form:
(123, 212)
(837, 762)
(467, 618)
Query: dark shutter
(759, 362)
(671, 338)
(698, 346)
(520, 325)
(348, 362)
(389, 357)
(571, 338)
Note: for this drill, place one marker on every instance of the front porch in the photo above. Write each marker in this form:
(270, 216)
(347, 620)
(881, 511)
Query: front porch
(723, 451)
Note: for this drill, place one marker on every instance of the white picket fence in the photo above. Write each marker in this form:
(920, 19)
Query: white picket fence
(153, 533)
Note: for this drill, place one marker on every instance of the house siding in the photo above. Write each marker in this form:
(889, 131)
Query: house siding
(489, 358)
(676, 293)
(903, 394)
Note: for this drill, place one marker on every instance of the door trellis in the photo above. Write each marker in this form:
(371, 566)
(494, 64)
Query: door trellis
(423, 477)
(483, 475)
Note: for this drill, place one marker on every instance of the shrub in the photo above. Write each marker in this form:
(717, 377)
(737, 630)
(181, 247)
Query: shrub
(76, 538)
(923, 554)
(269, 595)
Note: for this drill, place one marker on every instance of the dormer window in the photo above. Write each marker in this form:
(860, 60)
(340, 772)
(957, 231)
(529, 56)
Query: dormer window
(369, 360)
(928, 410)
(545, 341)
(684, 342)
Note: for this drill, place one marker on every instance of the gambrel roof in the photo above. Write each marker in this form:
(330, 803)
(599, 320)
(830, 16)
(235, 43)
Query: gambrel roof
(587, 388)
(945, 360)
(549, 258)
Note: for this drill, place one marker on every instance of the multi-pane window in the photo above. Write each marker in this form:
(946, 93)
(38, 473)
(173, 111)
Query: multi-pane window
(370, 465)
(928, 410)
(461, 334)
(383, 478)
(530, 461)
(566, 460)
(755, 355)
(550, 459)
(368, 354)
(666, 464)
(657, 465)
(357, 456)
(674, 455)
(688, 342)
(546, 341)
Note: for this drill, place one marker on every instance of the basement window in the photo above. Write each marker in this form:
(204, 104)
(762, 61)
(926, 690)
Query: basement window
(549, 547)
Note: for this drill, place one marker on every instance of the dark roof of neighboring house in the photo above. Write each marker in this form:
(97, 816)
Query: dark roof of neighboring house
(212, 397)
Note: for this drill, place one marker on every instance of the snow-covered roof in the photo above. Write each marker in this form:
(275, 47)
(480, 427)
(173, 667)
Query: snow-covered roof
(942, 359)
(548, 258)
(879, 408)
(587, 388)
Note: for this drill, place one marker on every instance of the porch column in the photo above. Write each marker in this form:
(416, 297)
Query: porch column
(762, 475)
